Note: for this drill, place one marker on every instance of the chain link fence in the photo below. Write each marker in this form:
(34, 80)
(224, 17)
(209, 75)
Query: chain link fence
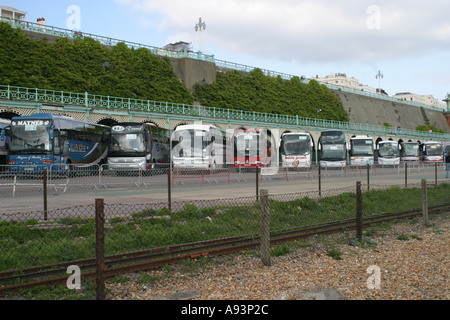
(164, 222)
(23, 191)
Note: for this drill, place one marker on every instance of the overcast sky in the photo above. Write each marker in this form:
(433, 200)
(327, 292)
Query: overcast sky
(408, 41)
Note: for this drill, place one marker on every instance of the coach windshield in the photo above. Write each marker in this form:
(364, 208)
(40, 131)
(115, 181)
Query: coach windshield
(30, 137)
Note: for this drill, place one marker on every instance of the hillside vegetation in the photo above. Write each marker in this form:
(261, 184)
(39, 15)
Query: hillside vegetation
(83, 64)
(86, 65)
(257, 92)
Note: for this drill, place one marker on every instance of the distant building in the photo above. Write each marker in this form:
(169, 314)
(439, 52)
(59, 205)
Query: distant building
(9, 13)
(341, 80)
(428, 100)
(178, 46)
(41, 23)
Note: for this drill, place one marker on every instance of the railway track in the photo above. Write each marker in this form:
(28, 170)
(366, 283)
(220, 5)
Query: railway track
(118, 264)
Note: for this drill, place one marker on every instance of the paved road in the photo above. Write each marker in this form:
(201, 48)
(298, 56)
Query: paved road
(81, 192)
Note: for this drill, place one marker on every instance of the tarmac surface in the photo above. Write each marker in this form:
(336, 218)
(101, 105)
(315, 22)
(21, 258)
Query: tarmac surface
(23, 197)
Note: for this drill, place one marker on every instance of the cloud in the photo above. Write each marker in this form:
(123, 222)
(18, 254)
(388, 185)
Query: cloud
(307, 31)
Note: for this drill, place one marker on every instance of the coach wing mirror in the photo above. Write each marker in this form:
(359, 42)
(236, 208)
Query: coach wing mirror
(52, 132)
(3, 134)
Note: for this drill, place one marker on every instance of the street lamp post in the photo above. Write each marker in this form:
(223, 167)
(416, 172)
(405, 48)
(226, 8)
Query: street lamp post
(447, 100)
(199, 27)
(317, 115)
(379, 76)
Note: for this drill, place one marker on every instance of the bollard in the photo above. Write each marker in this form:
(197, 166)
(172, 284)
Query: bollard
(265, 228)
(359, 228)
(100, 248)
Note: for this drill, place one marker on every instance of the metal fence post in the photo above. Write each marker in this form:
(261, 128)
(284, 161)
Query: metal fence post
(406, 174)
(169, 188)
(100, 248)
(320, 181)
(368, 176)
(265, 228)
(424, 201)
(257, 182)
(359, 227)
(44, 182)
(435, 174)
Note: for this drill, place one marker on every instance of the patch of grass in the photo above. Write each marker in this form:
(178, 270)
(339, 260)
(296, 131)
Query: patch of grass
(437, 230)
(364, 242)
(278, 251)
(335, 254)
(403, 237)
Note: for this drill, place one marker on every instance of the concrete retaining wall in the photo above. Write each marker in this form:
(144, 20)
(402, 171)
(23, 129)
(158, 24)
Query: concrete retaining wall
(362, 109)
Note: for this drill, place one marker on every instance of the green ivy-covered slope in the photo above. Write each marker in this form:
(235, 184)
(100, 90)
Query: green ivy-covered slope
(257, 92)
(85, 65)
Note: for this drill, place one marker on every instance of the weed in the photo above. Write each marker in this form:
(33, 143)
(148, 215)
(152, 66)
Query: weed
(279, 251)
(403, 237)
(335, 254)
(364, 242)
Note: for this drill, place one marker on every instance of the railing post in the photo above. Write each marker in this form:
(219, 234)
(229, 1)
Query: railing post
(265, 228)
(100, 248)
(86, 103)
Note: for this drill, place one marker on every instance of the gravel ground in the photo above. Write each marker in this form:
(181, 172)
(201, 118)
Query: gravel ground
(415, 268)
